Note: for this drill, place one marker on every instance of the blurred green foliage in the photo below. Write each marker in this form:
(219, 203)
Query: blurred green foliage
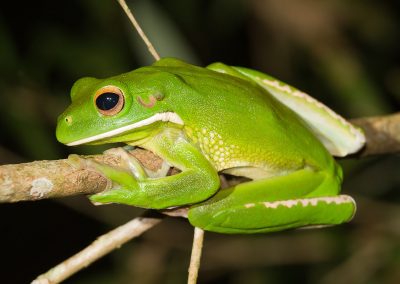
(344, 53)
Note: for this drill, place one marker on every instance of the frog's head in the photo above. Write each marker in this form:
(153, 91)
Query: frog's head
(125, 108)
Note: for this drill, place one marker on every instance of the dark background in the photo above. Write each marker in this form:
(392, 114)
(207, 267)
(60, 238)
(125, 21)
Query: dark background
(345, 53)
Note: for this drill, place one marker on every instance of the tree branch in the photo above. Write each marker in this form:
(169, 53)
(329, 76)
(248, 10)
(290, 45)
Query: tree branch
(382, 133)
(59, 178)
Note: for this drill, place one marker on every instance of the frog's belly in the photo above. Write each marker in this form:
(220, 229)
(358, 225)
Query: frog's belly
(251, 160)
(256, 164)
(252, 164)
(256, 173)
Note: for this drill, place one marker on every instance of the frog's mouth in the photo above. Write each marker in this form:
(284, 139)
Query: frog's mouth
(164, 117)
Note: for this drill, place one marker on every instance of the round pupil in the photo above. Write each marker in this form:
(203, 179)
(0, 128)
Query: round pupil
(107, 101)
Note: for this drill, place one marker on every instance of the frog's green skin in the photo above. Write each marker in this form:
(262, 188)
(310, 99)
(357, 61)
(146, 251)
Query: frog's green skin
(220, 119)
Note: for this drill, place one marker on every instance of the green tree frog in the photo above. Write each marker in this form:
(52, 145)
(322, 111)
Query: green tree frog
(218, 119)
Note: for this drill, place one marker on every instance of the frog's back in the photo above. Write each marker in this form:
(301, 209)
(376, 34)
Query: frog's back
(236, 123)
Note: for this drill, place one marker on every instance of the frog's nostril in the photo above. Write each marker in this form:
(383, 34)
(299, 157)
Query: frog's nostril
(68, 119)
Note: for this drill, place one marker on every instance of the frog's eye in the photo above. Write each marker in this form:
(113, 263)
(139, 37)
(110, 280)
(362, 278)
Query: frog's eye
(109, 100)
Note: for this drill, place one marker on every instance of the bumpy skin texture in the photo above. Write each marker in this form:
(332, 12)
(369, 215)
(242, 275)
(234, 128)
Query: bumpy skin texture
(205, 121)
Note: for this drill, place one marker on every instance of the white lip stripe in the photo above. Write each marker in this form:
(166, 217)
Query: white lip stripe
(164, 116)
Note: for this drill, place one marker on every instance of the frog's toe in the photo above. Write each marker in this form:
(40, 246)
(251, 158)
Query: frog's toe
(111, 196)
(96, 166)
(77, 162)
(119, 151)
(130, 162)
(83, 163)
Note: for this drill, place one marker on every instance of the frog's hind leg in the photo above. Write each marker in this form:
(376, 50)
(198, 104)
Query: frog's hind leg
(301, 199)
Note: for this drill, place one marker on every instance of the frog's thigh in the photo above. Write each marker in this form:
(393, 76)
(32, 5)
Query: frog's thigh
(279, 203)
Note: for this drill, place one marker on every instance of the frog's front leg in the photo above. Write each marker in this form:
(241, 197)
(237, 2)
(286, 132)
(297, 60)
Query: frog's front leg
(197, 181)
(291, 201)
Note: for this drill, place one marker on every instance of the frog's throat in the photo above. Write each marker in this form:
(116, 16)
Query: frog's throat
(164, 116)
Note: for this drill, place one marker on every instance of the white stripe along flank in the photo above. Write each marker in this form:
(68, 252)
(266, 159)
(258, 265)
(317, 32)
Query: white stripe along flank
(358, 135)
(164, 116)
(304, 202)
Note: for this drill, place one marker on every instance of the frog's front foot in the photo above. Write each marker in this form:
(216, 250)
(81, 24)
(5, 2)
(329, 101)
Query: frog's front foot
(78, 162)
(136, 167)
(124, 179)
(129, 162)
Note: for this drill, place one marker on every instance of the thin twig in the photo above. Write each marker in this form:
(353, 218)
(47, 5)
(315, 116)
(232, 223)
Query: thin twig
(102, 246)
(196, 255)
(136, 25)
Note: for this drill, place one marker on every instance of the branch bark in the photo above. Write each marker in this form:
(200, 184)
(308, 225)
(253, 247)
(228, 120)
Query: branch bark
(59, 178)
(382, 133)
